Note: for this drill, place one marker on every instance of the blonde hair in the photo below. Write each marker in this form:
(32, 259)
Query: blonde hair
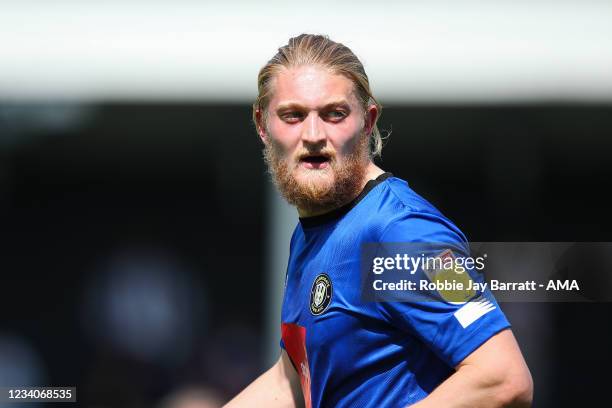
(310, 49)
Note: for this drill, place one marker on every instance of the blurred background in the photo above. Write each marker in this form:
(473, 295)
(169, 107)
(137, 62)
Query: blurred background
(142, 246)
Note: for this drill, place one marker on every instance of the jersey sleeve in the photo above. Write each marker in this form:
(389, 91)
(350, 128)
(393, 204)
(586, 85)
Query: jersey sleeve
(452, 330)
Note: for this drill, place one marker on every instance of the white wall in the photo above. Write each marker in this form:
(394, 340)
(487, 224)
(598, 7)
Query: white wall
(414, 51)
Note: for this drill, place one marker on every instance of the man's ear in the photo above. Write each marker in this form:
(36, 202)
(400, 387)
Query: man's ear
(371, 114)
(261, 128)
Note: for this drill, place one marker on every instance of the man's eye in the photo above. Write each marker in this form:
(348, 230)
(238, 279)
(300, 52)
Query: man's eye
(336, 115)
(292, 116)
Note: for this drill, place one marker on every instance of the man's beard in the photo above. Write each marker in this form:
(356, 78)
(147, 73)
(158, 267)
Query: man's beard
(319, 193)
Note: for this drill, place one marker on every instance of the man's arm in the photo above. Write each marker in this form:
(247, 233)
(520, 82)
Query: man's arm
(279, 387)
(494, 375)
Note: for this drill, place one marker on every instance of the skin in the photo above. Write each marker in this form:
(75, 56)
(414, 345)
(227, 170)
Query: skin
(314, 109)
(494, 375)
(279, 387)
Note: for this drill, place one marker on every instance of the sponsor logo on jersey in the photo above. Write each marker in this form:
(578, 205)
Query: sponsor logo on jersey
(320, 294)
(294, 339)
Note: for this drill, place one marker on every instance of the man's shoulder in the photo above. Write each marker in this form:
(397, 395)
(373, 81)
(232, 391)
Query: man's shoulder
(404, 210)
(406, 198)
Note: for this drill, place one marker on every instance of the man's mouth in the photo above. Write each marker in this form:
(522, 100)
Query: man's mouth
(315, 161)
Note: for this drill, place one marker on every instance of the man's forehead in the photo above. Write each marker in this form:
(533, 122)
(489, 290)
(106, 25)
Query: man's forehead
(311, 86)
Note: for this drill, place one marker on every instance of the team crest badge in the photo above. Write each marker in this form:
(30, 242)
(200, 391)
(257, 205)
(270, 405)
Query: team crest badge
(320, 294)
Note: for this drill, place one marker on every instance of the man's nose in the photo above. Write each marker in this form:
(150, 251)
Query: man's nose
(313, 130)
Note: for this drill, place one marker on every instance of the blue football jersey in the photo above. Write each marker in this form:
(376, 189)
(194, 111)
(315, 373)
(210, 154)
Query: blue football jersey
(350, 352)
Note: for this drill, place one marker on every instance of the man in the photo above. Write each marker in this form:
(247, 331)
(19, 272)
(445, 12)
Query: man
(317, 118)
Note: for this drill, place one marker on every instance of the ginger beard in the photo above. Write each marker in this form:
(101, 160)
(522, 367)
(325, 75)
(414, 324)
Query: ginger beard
(318, 190)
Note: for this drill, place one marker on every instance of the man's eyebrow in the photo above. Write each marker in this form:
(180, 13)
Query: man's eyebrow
(288, 106)
(342, 103)
(294, 105)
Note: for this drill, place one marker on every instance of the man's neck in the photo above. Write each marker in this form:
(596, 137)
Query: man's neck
(372, 172)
